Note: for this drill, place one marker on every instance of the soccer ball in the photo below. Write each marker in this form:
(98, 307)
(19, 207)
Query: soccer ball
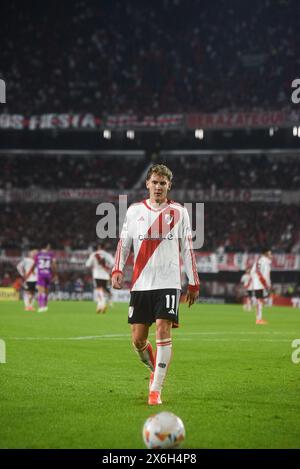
(163, 430)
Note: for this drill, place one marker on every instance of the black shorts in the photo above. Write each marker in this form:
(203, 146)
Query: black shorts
(147, 306)
(259, 294)
(29, 286)
(249, 293)
(101, 283)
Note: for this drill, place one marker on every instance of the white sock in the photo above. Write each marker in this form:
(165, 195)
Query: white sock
(146, 355)
(30, 300)
(26, 299)
(163, 357)
(100, 298)
(259, 310)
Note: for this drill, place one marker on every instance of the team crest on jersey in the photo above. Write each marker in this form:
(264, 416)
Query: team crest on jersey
(168, 218)
(130, 311)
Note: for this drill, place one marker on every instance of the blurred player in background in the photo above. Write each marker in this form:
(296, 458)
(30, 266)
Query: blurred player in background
(101, 263)
(246, 281)
(46, 272)
(261, 281)
(159, 230)
(79, 288)
(27, 269)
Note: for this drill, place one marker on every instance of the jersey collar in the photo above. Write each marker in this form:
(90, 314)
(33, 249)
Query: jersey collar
(146, 202)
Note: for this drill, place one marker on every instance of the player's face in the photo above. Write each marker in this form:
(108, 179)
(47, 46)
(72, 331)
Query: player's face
(158, 187)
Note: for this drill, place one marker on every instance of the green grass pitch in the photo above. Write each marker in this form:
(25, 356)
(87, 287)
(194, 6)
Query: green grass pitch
(72, 380)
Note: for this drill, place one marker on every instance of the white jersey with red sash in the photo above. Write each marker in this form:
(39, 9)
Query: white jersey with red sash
(159, 237)
(246, 280)
(101, 262)
(27, 269)
(260, 273)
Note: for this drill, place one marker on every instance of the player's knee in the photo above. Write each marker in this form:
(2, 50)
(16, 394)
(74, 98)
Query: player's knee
(138, 343)
(163, 330)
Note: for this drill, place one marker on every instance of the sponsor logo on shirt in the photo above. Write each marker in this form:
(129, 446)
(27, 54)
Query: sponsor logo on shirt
(169, 236)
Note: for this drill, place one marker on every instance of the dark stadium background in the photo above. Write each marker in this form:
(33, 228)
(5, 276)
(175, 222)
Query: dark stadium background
(93, 92)
(168, 71)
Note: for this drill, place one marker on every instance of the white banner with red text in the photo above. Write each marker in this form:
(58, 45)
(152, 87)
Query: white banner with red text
(208, 262)
(164, 121)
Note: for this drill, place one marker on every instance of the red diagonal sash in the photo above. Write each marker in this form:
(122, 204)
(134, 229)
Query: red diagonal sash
(156, 233)
(260, 276)
(29, 272)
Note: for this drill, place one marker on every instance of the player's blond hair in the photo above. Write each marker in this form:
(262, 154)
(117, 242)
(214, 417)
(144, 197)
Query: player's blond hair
(161, 170)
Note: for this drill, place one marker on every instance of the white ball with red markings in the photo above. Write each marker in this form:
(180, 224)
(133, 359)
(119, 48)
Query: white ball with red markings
(163, 430)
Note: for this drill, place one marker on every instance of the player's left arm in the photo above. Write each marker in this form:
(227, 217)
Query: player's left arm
(189, 260)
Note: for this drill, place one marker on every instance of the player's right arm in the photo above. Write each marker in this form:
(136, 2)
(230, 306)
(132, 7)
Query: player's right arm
(122, 253)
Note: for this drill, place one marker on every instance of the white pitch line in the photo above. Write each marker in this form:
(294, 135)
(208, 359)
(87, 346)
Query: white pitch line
(180, 334)
(183, 337)
(239, 333)
(87, 337)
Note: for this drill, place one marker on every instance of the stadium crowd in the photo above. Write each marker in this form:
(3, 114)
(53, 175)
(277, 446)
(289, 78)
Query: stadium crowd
(229, 227)
(236, 172)
(205, 172)
(60, 171)
(149, 57)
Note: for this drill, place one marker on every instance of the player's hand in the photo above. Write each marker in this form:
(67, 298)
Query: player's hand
(117, 280)
(191, 297)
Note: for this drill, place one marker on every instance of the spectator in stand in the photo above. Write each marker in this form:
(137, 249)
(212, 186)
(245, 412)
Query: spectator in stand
(215, 172)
